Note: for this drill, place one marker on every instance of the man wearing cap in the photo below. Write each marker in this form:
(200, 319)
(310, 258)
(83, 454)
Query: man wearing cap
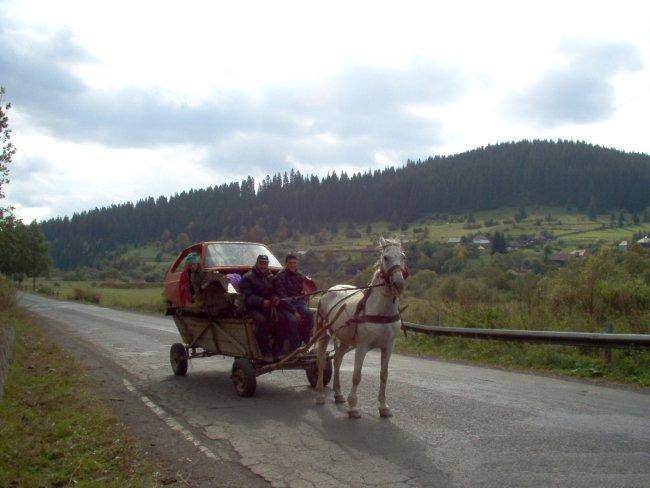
(288, 284)
(257, 288)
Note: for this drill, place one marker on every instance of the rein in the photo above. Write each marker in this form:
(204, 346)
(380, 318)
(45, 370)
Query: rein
(318, 292)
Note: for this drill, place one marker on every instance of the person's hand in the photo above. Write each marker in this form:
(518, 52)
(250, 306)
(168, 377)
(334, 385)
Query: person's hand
(266, 303)
(275, 301)
(298, 316)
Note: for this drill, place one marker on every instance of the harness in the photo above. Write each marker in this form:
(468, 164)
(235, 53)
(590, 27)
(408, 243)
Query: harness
(359, 315)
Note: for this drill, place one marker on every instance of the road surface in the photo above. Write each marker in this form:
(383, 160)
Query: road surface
(454, 424)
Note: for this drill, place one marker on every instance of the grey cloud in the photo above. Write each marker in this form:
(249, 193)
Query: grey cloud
(363, 107)
(581, 92)
(25, 168)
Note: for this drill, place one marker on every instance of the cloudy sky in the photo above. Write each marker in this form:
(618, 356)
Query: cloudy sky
(116, 101)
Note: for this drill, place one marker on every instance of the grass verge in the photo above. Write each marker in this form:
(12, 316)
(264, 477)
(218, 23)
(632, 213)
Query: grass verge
(54, 428)
(583, 362)
(135, 297)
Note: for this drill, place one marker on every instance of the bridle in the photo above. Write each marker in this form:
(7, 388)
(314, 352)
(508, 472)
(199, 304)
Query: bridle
(359, 314)
(386, 275)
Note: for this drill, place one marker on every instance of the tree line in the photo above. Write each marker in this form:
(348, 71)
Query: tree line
(23, 249)
(559, 173)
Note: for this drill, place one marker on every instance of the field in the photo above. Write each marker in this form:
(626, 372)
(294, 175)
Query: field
(572, 229)
(140, 297)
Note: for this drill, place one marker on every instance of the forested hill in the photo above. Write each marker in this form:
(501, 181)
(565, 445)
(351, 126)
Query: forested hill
(509, 174)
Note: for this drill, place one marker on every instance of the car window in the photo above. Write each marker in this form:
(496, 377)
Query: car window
(236, 254)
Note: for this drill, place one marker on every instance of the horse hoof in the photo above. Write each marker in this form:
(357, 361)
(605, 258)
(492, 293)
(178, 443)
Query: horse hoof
(339, 399)
(385, 413)
(320, 400)
(354, 414)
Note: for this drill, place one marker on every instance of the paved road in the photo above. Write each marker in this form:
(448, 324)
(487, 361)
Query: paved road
(454, 425)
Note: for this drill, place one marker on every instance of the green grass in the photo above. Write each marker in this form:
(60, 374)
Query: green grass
(137, 297)
(607, 236)
(625, 367)
(54, 428)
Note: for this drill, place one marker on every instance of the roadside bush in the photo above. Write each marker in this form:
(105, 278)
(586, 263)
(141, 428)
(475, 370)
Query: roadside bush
(624, 296)
(449, 288)
(45, 290)
(419, 311)
(472, 291)
(422, 280)
(82, 295)
(6, 294)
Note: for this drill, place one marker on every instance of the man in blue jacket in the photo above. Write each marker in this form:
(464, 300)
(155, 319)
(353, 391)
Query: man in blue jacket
(288, 284)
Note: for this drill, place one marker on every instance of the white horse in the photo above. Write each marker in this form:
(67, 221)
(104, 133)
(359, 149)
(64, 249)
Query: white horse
(363, 319)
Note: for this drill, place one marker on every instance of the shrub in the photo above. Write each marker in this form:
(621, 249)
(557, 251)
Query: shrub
(45, 290)
(6, 293)
(448, 288)
(471, 225)
(422, 280)
(86, 296)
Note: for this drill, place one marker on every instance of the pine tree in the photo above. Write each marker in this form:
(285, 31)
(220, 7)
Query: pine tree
(499, 244)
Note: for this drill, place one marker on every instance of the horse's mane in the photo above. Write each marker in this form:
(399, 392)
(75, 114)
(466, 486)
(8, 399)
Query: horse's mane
(390, 242)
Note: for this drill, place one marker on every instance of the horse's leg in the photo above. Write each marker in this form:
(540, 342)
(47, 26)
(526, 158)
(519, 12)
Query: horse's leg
(338, 359)
(384, 410)
(359, 356)
(321, 350)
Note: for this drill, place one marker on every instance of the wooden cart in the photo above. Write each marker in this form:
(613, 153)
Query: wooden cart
(205, 336)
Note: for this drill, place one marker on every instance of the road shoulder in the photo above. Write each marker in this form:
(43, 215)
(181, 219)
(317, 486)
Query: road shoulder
(185, 463)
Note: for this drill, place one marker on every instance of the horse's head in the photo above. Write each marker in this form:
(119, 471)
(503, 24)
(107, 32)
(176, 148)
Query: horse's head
(392, 264)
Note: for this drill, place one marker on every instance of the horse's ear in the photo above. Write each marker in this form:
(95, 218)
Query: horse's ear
(382, 241)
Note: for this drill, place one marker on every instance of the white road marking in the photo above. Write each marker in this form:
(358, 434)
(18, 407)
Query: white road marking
(170, 421)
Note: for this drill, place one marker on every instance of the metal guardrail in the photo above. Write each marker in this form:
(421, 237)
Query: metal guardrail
(604, 340)
(595, 339)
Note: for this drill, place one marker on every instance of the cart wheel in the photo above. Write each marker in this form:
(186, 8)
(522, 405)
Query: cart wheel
(312, 373)
(178, 358)
(243, 377)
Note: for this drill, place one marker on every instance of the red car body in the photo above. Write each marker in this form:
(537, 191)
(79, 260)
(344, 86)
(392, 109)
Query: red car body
(225, 257)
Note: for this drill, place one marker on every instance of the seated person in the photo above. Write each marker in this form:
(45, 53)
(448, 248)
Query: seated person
(261, 302)
(288, 284)
(190, 281)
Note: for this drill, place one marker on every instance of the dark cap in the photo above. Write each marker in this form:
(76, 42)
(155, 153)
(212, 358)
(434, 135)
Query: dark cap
(262, 258)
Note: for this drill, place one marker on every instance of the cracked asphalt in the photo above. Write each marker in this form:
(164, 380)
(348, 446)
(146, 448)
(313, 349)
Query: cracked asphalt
(453, 424)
